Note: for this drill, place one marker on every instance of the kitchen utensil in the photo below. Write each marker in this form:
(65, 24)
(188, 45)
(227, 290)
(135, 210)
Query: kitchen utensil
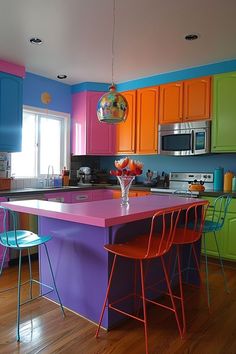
(196, 187)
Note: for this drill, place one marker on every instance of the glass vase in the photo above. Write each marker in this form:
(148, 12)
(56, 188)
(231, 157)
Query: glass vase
(125, 183)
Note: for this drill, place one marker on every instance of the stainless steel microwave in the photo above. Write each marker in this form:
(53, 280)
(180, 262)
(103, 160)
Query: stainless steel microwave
(180, 139)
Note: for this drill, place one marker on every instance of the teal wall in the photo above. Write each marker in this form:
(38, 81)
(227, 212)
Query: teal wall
(203, 163)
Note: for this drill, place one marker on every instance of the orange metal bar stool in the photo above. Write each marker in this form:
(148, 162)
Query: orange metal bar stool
(146, 247)
(189, 231)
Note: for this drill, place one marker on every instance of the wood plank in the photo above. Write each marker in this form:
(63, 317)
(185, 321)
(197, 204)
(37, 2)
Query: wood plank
(43, 329)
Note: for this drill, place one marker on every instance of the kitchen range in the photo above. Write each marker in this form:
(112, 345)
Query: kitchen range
(190, 183)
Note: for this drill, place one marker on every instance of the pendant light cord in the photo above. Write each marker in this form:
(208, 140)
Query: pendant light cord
(113, 42)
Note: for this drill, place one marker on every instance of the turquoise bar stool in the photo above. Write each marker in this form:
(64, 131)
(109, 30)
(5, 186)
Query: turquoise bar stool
(214, 223)
(21, 240)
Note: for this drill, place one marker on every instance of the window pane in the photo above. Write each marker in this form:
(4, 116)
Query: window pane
(23, 164)
(50, 144)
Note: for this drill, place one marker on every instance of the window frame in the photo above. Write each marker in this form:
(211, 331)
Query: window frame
(65, 135)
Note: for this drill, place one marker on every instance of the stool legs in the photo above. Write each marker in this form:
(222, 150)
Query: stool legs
(206, 270)
(30, 272)
(206, 267)
(54, 282)
(3, 259)
(144, 306)
(18, 299)
(221, 265)
(181, 292)
(106, 296)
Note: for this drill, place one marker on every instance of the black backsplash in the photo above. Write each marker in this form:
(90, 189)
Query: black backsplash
(81, 161)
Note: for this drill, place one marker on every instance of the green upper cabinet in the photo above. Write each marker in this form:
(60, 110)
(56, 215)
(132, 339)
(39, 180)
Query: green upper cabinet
(224, 113)
(11, 102)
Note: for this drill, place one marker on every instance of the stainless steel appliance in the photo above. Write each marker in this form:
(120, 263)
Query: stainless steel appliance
(179, 183)
(180, 139)
(84, 175)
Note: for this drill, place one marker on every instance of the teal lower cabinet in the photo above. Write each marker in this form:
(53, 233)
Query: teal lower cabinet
(226, 237)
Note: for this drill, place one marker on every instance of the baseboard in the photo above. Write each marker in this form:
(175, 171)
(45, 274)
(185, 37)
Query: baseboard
(215, 260)
(15, 261)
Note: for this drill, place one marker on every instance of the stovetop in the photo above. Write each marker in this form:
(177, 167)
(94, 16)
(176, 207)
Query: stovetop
(179, 183)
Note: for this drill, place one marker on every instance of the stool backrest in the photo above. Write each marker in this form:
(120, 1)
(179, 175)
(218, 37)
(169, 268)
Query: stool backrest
(8, 216)
(218, 211)
(192, 222)
(162, 232)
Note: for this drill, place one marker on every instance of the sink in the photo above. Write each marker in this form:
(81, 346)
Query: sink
(33, 188)
(57, 188)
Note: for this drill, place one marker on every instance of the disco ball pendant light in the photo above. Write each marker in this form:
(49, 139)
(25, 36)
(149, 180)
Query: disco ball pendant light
(112, 107)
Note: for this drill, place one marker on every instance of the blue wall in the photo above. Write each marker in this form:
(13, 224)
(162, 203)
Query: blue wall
(35, 85)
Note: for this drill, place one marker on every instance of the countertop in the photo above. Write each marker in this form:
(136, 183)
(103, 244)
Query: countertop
(40, 191)
(102, 213)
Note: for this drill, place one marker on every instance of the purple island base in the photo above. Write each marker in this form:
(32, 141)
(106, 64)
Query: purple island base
(80, 263)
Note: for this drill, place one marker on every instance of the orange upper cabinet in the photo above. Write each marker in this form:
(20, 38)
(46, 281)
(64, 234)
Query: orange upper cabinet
(171, 103)
(197, 98)
(147, 120)
(185, 100)
(125, 132)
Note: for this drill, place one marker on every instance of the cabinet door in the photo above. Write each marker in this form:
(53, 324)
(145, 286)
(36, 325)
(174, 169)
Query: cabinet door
(125, 132)
(147, 120)
(229, 231)
(224, 113)
(10, 113)
(197, 98)
(171, 103)
(100, 136)
(116, 194)
(142, 193)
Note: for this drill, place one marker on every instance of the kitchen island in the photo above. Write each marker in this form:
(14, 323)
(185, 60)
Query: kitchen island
(79, 231)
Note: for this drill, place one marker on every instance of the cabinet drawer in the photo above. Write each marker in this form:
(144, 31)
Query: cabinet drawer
(102, 194)
(80, 197)
(64, 197)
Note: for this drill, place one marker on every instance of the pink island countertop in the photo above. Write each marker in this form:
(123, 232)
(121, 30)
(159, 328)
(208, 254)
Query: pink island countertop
(101, 213)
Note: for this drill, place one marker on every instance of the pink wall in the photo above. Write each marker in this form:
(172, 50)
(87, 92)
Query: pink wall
(11, 68)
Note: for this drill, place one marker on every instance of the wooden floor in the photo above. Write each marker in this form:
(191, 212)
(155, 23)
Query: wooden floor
(43, 330)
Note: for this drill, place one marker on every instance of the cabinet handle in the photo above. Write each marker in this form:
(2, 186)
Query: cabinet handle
(81, 197)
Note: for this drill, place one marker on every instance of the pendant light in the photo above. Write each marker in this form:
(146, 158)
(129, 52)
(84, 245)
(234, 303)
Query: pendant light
(112, 106)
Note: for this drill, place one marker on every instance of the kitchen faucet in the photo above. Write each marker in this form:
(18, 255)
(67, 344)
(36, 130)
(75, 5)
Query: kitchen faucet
(50, 176)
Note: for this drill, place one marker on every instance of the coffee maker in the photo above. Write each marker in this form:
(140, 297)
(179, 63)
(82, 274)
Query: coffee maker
(84, 175)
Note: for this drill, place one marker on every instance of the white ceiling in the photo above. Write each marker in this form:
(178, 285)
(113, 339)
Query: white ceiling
(149, 36)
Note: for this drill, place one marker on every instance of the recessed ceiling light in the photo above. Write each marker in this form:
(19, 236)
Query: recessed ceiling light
(191, 37)
(61, 77)
(36, 40)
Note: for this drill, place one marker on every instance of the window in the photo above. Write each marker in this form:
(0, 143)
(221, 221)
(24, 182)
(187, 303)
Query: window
(45, 142)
